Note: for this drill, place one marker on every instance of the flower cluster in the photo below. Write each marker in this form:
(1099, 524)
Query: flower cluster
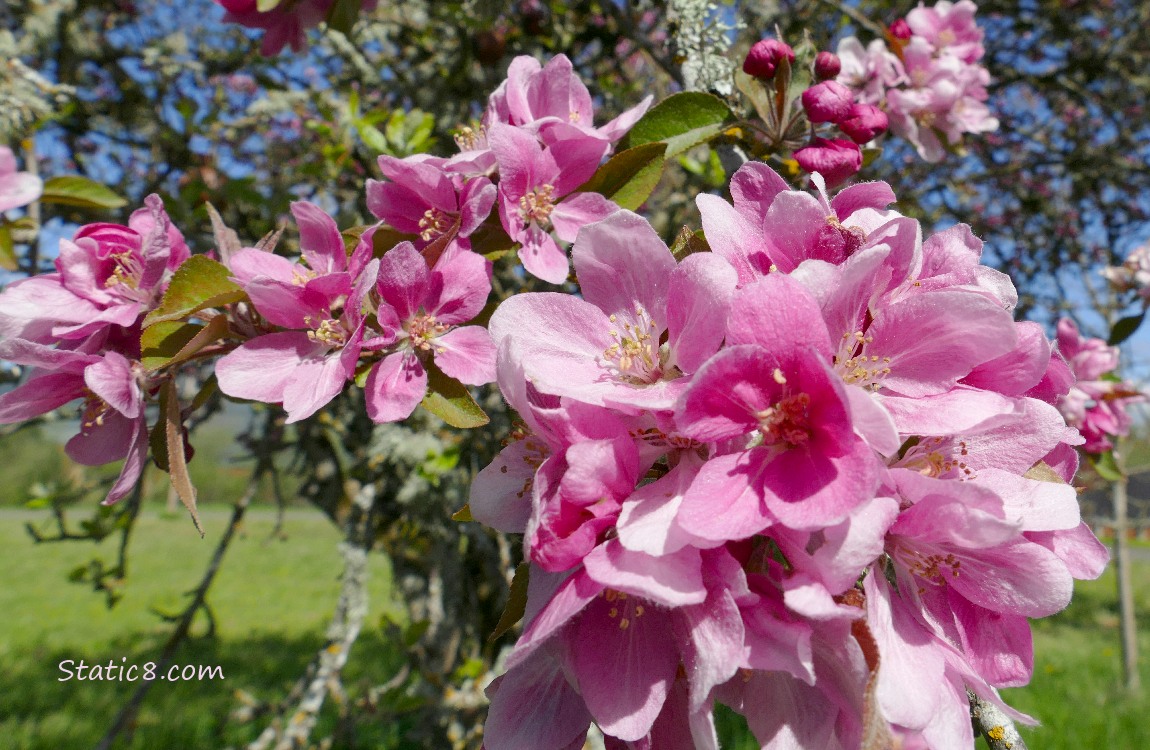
(284, 24)
(537, 138)
(78, 329)
(1094, 405)
(929, 80)
(324, 318)
(1133, 274)
(16, 188)
(814, 475)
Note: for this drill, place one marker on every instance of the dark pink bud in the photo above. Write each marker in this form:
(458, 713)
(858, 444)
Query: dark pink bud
(827, 65)
(864, 123)
(765, 56)
(900, 29)
(829, 101)
(834, 159)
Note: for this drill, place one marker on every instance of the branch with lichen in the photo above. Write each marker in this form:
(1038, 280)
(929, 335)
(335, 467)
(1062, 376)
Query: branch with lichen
(994, 725)
(701, 40)
(323, 675)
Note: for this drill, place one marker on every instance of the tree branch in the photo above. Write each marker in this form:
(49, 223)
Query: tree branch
(995, 726)
(350, 611)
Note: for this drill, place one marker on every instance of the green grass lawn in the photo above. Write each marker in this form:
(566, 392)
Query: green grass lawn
(272, 602)
(1076, 691)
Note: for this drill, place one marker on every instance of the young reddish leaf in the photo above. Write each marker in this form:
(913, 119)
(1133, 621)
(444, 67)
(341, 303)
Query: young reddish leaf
(200, 282)
(227, 241)
(516, 601)
(177, 467)
(450, 400)
(629, 177)
(1042, 472)
(688, 242)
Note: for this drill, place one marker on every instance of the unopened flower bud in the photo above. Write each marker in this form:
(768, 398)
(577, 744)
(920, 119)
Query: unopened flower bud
(829, 101)
(764, 58)
(900, 29)
(827, 66)
(835, 160)
(864, 123)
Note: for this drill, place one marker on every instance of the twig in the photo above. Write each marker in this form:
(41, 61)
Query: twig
(855, 16)
(351, 610)
(995, 726)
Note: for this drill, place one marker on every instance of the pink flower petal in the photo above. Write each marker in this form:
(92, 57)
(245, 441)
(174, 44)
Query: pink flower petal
(621, 263)
(395, 387)
(466, 354)
(262, 368)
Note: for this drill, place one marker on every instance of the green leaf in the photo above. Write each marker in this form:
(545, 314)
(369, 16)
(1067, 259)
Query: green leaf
(198, 283)
(263, 6)
(463, 514)
(516, 601)
(682, 121)
(342, 15)
(413, 632)
(450, 400)
(74, 190)
(172, 342)
(629, 177)
(163, 341)
(8, 260)
(490, 240)
(756, 91)
(1106, 466)
(372, 137)
(688, 242)
(1125, 328)
(869, 155)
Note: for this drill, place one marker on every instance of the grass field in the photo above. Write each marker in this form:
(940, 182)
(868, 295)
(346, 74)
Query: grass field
(272, 601)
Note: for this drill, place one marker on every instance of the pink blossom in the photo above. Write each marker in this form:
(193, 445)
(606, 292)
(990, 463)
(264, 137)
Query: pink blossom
(107, 275)
(537, 196)
(1094, 405)
(809, 468)
(112, 425)
(869, 71)
(285, 24)
(16, 188)
(419, 319)
(727, 445)
(321, 306)
(552, 101)
(950, 28)
(422, 198)
(607, 348)
(1133, 274)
